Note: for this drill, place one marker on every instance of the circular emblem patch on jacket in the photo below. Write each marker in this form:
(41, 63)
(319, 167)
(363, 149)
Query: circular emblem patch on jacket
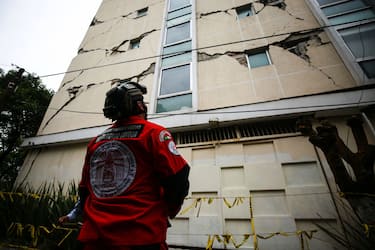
(112, 169)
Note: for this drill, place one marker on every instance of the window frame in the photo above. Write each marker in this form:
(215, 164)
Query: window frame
(142, 12)
(245, 7)
(159, 96)
(351, 62)
(180, 7)
(134, 42)
(165, 44)
(258, 51)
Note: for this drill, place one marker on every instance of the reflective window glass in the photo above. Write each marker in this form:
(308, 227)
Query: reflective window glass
(174, 103)
(178, 33)
(352, 17)
(178, 20)
(176, 4)
(258, 59)
(325, 2)
(179, 12)
(360, 40)
(186, 46)
(343, 7)
(369, 68)
(174, 60)
(175, 80)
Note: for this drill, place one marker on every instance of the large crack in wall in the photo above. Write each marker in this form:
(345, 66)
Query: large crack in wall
(278, 3)
(297, 43)
(139, 77)
(116, 49)
(75, 91)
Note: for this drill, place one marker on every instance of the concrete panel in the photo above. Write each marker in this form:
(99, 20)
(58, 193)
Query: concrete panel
(238, 228)
(178, 233)
(205, 225)
(265, 226)
(229, 155)
(269, 203)
(232, 178)
(268, 89)
(264, 176)
(53, 165)
(302, 174)
(259, 153)
(238, 209)
(294, 149)
(203, 157)
(311, 206)
(204, 179)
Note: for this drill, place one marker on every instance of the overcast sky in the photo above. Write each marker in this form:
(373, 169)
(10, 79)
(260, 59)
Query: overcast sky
(43, 36)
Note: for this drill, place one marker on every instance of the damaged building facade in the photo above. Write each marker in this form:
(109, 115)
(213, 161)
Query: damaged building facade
(230, 79)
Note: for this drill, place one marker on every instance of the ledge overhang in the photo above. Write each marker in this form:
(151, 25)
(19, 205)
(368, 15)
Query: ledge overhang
(334, 103)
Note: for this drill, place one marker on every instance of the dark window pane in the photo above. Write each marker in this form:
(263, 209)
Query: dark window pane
(244, 11)
(175, 80)
(360, 40)
(258, 60)
(369, 68)
(178, 33)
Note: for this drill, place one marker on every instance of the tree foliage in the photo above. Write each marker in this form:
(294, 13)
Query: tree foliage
(23, 102)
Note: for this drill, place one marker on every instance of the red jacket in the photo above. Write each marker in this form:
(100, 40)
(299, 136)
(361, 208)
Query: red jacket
(123, 174)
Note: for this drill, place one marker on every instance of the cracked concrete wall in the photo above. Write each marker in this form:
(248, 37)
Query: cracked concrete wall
(79, 101)
(301, 62)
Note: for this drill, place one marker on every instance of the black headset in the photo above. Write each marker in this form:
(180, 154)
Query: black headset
(120, 101)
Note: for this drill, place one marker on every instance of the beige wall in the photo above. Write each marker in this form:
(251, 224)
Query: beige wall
(53, 165)
(224, 81)
(106, 43)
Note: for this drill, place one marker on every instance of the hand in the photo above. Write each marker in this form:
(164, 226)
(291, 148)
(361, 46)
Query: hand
(63, 219)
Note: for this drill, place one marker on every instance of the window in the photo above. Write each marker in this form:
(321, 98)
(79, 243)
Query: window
(177, 54)
(360, 40)
(368, 67)
(244, 11)
(176, 4)
(359, 37)
(142, 12)
(178, 33)
(174, 103)
(180, 12)
(175, 91)
(258, 59)
(175, 80)
(325, 2)
(340, 12)
(134, 44)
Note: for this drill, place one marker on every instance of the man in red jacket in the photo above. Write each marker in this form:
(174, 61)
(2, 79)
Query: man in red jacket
(133, 178)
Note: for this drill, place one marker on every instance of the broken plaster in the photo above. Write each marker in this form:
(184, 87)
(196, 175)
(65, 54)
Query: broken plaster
(75, 91)
(116, 49)
(273, 3)
(296, 43)
(139, 77)
(215, 12)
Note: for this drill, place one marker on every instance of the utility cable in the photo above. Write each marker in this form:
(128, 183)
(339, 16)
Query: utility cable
(207, 47)
(220, 112)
